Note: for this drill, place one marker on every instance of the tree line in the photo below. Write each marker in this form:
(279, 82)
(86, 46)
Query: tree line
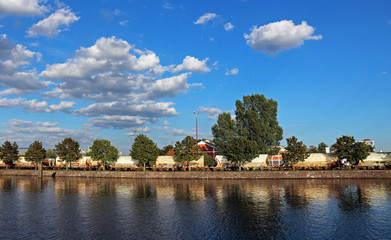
(254, 130)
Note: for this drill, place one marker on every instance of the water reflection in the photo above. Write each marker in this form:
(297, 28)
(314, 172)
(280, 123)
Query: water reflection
(181, 209)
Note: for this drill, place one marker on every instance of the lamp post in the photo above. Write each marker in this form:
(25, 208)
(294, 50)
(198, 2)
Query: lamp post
(196, 114)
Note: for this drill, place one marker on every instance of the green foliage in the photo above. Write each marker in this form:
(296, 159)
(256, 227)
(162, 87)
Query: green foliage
(347, 148)
(313, 149)
(242, 151)
(102, 150)
(296, 151)
(322, 147)
(9, 153)
(256, 122)
(144, 149)
(274, 151)
(68, 150)
(165, 149)
(36, 153)
(256, 119)
(209, 161)
(50, 153)
(187, 150)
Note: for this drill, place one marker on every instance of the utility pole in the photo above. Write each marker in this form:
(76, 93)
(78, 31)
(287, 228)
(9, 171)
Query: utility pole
(196, 114)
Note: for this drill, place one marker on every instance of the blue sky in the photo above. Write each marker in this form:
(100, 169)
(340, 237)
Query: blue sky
(111, 69)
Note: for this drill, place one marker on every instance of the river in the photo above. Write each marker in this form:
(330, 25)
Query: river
(97, 208)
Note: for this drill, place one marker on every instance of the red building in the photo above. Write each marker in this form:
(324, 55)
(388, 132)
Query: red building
(208, 147)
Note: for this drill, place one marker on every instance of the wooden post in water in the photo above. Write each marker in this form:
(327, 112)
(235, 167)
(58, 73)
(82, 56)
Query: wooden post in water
(40, 170)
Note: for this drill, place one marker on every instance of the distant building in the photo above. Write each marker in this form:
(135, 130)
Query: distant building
(276, 159)
(369, 142)
(208, 147)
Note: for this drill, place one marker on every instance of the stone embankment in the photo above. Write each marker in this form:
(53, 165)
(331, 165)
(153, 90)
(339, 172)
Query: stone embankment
(337, 174)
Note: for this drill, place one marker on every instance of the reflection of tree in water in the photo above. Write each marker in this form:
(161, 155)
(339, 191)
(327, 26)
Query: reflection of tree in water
(294, 196)
(145, 190)
(351, 198)
(251, 217)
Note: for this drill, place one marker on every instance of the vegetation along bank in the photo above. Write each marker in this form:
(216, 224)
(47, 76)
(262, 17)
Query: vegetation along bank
(336, 174)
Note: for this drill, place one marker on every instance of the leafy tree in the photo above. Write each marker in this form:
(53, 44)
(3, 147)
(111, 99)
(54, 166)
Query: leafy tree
(165, 150)
(242, 151)
(144, 149)
(50, 153)
(322, 147)
(187, 150)
(295, 152)
(256, 120)
(209, 161)
(68, 150)
(102, 150)
(313, 149)
(36, 153)
(347, 148)
(9, 153)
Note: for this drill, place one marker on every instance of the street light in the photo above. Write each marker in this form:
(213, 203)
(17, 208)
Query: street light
(196, 113)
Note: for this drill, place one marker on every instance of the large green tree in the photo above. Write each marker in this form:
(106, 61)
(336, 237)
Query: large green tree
(9, 153)
(242, 151)
(255, 121)
(187, 150)
(102, 150)
(295, 152)
(36, 153)
(50, 153)
(347, 148)
(144, 149)
(68, 150)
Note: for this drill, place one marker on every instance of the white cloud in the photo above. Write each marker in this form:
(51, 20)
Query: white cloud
(213, 113)
(118, 121)
(22, 7)
(228, 26)
(233, 71)
(146, 109)
(15, 76)
(34, 105)
(26, 132)
(167, 87)
(123, 23)
(179, 132)
(274, 37)
(135, 131)
(51, 25)
(205, 18)
(168, 6)
(192, 64)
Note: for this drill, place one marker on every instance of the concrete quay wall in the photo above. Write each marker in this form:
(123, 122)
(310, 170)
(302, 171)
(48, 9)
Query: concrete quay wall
(334, 174)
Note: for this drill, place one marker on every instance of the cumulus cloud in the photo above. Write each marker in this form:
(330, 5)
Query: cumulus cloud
(145, 109)
(233, 71)
(135, 131)
(205, 18)
(274, 37)
(118, 121)
(213, 113)
(26, 132)
(179, 132)
(51, 26)
(192, 64)
(15, 77)
(228, 26)
(35, 105)
(22, 7)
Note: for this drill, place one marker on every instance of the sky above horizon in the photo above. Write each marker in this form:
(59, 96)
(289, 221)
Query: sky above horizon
(112, 69)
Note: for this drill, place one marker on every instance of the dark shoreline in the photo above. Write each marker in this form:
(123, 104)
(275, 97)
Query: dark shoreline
(328, 174)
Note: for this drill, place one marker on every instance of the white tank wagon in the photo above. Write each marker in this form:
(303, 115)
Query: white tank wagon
(318, 161)
(376, 160)
(125, 163)
(257, 163)
(168, 163)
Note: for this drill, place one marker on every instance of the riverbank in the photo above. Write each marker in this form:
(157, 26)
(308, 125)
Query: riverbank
(335, 174)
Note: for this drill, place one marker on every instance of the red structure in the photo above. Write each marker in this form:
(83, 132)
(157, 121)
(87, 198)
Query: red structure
(208, 147)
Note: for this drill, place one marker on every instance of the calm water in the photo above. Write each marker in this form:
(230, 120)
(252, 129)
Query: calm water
(79, 208)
